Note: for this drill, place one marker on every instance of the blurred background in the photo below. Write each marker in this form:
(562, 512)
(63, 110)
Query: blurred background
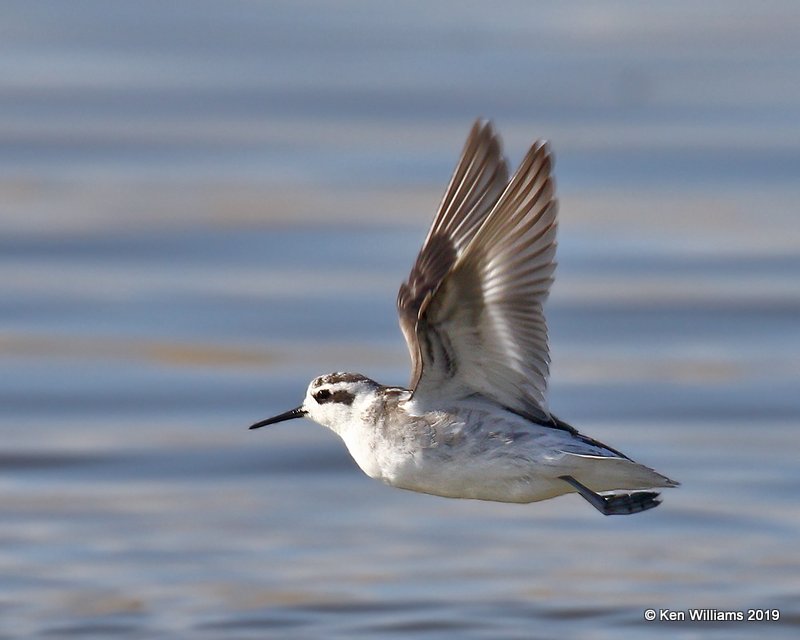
(204, 204)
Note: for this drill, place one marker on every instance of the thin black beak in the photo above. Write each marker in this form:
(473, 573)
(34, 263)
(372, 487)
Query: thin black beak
(289, 415)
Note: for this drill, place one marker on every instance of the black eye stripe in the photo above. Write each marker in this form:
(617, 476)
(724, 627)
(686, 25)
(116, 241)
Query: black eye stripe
(342, 397)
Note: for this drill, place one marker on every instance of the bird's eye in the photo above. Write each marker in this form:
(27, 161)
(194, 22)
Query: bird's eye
(322, 395)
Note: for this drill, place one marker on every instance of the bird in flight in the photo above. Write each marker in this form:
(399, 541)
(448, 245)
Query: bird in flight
(475, 422)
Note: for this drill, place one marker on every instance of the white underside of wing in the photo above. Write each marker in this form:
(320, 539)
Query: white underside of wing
(486, 331)
(479, 179)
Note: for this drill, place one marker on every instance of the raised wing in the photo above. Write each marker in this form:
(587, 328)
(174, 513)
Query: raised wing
(478, 180)
(480, 328)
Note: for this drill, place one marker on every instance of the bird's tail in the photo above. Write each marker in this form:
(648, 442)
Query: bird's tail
(616, 474)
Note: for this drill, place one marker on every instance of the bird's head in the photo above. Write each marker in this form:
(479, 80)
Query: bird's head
(333, 400)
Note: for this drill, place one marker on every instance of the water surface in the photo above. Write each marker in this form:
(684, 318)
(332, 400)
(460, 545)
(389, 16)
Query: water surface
(204, 205)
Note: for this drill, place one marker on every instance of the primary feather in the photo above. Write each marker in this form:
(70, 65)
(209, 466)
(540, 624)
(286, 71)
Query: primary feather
(471, 309)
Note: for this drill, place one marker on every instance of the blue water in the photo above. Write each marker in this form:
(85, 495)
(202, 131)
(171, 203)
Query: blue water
(203, 205)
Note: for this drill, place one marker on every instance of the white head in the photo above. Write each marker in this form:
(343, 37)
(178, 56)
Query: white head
(333, 400)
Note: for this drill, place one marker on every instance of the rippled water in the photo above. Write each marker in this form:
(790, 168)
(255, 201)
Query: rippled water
(204, 205)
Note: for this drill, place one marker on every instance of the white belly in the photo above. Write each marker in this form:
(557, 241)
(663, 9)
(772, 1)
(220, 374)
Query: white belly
(497, 480)
(459, 472)
(503, 460)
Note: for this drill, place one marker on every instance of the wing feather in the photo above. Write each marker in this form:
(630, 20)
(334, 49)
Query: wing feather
(481, 328)
(480, 176)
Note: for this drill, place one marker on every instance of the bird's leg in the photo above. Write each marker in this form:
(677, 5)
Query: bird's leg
(616, 505)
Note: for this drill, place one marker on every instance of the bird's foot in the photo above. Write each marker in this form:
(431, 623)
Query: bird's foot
(615, 505)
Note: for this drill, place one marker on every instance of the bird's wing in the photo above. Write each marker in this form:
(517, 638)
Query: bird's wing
(473, 315)
(479, 178)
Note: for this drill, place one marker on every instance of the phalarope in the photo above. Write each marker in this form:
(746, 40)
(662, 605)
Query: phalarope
(474, 422)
